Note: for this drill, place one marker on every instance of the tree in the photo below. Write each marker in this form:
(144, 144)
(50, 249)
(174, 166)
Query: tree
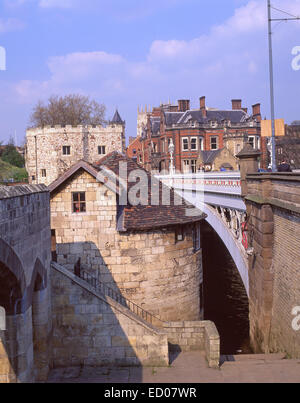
(68, 110)
(12, 156)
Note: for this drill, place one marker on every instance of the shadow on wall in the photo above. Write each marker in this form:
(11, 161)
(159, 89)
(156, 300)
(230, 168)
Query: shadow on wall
(89, 331)
(23, 344)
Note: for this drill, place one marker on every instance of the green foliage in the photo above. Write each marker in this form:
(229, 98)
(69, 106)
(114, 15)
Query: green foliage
(12, 157)
(8, 172)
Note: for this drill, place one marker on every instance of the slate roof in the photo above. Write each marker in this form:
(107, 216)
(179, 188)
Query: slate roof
(117, 118)
(148, 216)
(235, 116)
(208, 157)
(131, 217)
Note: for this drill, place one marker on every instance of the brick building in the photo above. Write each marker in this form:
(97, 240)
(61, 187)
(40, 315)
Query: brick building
(194, 131)
(151, 253)
(288, 147)
(50, 151)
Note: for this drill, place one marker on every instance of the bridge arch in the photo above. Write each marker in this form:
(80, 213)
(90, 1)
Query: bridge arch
(233, 247)
(12, 279)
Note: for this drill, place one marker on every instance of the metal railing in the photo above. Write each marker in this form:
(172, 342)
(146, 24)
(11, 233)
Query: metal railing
(118, 297)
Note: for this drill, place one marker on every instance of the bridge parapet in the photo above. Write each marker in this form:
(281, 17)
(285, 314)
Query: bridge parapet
(213, 182)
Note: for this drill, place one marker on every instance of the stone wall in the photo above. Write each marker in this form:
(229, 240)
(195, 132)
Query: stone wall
(92, 329)
(44, 149)
(195, 335)
(273, 204)
(149, 268)
(24, 283)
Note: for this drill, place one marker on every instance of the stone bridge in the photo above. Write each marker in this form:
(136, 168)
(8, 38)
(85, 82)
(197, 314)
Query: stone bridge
(219, 195)
(257, 215)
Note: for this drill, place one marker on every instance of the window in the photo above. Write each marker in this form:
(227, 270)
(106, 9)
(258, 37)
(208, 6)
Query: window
(214, 143)
(33, 177)
(238, 148)
(194, 143)
(134, 151)
(78, 201)
(251, 140)
(194, 166)
(179, 233)
(185, 144)
(186, 166)
(101, 150)
(44, 173)
(66, 150)
(197, 237)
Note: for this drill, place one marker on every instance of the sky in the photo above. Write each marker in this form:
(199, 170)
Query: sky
(130, 53)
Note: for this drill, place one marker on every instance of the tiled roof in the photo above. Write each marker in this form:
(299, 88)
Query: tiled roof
(150, 215)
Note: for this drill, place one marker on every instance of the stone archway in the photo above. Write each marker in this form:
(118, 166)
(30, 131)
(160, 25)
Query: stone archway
(13, 304)
(40, 321)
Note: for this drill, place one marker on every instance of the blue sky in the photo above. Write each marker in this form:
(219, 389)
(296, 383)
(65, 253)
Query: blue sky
(126, 53)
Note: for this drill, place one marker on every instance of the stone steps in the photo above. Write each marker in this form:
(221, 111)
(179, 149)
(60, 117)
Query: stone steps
(255, 359)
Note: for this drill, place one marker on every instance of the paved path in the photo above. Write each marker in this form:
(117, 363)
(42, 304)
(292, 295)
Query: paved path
(190, 368)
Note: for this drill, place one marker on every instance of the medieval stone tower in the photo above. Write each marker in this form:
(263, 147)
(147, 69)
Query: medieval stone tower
(51, 150)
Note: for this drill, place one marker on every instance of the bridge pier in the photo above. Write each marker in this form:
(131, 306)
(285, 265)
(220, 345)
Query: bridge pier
(273, 211)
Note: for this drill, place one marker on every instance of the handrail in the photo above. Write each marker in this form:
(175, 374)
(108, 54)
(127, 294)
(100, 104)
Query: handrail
(118, 297)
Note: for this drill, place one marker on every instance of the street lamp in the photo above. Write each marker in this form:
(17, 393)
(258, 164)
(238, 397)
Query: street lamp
(270, 20)
(171, 151)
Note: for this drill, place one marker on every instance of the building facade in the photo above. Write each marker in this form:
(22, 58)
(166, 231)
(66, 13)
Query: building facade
(150, 253)
(50, 151)
(194, 131)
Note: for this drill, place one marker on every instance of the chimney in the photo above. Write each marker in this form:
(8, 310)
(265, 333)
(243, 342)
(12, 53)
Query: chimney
(183, 105)
(203, 107)
(256, 112)
(236, 104)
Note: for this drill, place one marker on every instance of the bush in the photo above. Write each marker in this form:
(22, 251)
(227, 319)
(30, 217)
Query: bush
(12, 157)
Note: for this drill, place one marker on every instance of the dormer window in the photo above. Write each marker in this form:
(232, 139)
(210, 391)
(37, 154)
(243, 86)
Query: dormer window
(214, 123)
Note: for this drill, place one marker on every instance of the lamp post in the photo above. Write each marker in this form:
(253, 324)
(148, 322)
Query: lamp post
(270, 20)
(171, 151)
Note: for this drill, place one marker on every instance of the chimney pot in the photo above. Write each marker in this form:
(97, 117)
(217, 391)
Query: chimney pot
(183, 105)
(236, 104)
(203, 107)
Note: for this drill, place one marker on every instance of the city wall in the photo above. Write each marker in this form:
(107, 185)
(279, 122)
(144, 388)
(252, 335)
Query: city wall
(25, 338)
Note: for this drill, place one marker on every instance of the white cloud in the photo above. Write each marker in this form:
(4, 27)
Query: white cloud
(10, 24)
(231, 60)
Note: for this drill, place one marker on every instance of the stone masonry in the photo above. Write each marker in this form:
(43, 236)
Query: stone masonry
(25, 341)
(45, 158)
(147, 267)
(91, 329)
(273, 204)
